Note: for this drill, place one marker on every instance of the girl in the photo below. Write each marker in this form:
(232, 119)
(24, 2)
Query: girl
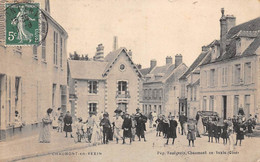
(171, 133)
(191, 125)
(240, 130)
(224, 132)
(159, 123)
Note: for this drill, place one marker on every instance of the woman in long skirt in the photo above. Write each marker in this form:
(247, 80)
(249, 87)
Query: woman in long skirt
(191, 136)
(240, 130)
(45, 134)
(200, 126)
(171, 132)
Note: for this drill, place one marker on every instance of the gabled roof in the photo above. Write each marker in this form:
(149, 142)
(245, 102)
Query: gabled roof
(112, 57)
(252, 25)
(194, 65)
(84, 69)
(97, 70)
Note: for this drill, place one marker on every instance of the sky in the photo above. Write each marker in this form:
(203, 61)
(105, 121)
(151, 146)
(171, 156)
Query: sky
(152, 29)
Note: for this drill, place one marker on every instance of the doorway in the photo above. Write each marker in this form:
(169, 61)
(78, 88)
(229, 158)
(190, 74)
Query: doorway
(224, 99)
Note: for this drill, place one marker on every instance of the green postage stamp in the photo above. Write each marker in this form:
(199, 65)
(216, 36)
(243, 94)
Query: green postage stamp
(22, 24)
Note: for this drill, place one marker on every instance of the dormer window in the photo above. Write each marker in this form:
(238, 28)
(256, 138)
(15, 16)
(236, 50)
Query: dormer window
(238, 46)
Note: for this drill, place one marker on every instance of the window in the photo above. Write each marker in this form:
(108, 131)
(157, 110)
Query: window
(211, 103)
(224, 76)
(212, 77)
(43, 42)
(122, 87)
(93, 87)
(55, 48)
(236, 102)
(154, 93)
(61, 51)
(248, 73)
(191, 93)
(160, 109)
(160, 94)
(122, 67)
(247, 105)
(53, 95)
(17, 83)
(92, 107)
(155, 108)
(237, 73)
(182, 91)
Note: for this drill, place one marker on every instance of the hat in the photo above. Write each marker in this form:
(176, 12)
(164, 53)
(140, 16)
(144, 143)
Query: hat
(80, 118)
(105, 114)
(137, 109)
(118, 111)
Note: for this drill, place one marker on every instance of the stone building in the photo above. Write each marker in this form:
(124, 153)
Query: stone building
(189, 101)
(161, 87)
(104, 84)
(229, 75)
(32, 78)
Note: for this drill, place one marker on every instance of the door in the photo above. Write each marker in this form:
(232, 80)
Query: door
(224, 99)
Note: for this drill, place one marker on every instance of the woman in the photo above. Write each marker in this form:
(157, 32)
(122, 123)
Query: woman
(159, 123)
(45, 134)
(200, 126)
(240, 130)
(127, 126)
(191, 131)
(171, 132)
(67, 124)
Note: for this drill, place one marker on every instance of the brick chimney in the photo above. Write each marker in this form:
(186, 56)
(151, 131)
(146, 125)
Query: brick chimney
(152, 64)
(168, 60)
(178, 60)
(115, 43)
(226, 23)
(100, 53)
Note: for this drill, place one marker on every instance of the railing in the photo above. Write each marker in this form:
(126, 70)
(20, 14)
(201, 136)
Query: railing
(122, 94)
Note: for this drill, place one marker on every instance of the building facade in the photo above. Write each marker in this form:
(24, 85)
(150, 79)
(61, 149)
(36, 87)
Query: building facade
(161, 86)
(104, 84)
(32, 78)
(189, 101)
(229, 75)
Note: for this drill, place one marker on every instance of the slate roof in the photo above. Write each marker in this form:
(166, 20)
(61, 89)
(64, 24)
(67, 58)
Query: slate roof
(161, 73)
(97, 70)
(252, 25)
(145, 71)
(84, 69)
(194, 65)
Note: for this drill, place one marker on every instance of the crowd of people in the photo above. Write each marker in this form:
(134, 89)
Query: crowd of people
(124, 126)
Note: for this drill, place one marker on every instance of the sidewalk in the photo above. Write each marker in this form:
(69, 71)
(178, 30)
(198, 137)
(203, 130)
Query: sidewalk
(30, 147)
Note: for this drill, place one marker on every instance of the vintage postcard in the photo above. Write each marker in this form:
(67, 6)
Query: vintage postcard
(130, 80)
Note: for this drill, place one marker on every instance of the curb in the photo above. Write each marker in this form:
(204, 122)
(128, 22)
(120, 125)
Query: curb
(23, 157)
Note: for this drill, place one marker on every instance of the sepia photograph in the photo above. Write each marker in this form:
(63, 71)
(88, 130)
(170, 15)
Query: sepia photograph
(129, 80)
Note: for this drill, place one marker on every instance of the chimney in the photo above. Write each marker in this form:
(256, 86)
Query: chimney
(168, 60)
(139, 66)
(130, 53)
(100, 53)
(152, 64)
(204, 48)
(178, 60)
(115, 43)
(226, 23)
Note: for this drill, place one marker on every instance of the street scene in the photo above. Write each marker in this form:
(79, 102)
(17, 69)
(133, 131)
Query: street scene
(126, 81)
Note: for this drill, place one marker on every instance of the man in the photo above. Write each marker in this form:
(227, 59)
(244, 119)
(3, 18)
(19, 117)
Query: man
(183, 120)
(67, 124)
(127, 126)
(118, 122)
(140, 124)
(106, 127)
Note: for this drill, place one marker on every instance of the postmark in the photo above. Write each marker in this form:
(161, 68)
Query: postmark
(23, 24)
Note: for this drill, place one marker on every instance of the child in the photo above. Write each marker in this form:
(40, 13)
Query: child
(60, 122)
(159, 123)
(127, 126)
(224, 133)
(217, 131)
(191, 131)
(80, 131)
(106, 126)
(210, 130)
(240, 130)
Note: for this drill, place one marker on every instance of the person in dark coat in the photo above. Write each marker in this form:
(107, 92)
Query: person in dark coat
(250, 126)
(210, 130)
(171, 132)
(106, 127)
(127, 127)
(67, 124)
(224, 132)
(217, 131)
(240, 130)
(183, 120)
(159, 123)
(165, 126)
(140, 124)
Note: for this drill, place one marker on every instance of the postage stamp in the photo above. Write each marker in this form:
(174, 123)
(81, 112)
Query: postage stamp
(22, 24)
